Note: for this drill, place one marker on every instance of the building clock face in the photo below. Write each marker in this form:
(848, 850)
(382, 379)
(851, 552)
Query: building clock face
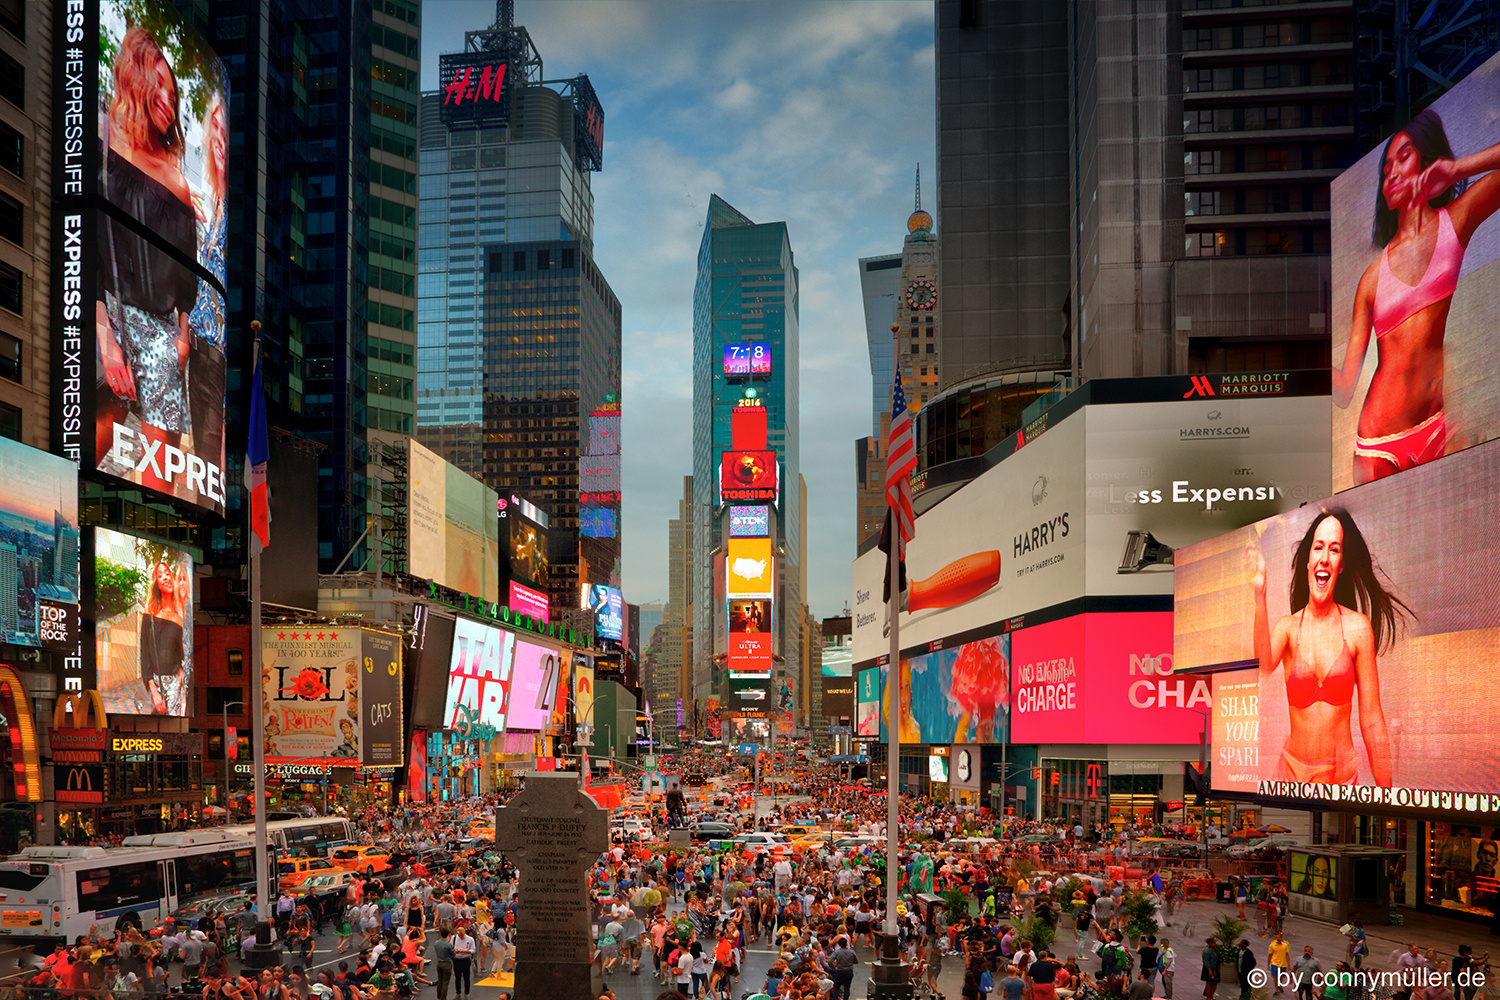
(921, 294)
(965, 767)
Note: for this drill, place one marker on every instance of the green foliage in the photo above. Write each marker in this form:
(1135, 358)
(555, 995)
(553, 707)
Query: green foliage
(1140, 913)
(1025, 868)
(1228, 929)
(1063, 889)
(957, 903)
(116, 588)
(1038, 931)
(198, 71)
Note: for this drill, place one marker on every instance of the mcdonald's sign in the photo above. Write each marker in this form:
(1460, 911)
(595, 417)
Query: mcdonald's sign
(80, 703)
(78, 783)
(15, 704)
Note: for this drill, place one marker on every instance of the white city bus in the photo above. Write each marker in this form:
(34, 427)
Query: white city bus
(314, 836)
(60, 892)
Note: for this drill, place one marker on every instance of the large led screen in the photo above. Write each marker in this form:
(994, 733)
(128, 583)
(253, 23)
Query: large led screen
(143, 631)
(871, 687)
(38, 548)
(533, 686)
(454, 535)
(608, 606)
(956, 695)
(749, 522)
(139, 217)
(523, 529)
(1236, 732)
(1374, 621)
(747, 359)
(1414, 287)
(750, 570)
(1314, 875)
(750, 638)
(478, 674)
(749, 475)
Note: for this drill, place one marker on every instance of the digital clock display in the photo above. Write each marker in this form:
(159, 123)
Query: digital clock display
(747, 359)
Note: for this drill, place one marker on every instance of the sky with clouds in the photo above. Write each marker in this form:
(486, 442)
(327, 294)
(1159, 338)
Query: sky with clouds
(812, 113)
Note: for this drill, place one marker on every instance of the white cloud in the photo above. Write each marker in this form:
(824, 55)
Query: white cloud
(811, 113)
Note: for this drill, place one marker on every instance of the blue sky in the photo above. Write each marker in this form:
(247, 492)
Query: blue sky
(812, 113)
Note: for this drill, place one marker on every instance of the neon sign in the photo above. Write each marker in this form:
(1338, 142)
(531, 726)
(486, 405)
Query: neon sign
(489, 86)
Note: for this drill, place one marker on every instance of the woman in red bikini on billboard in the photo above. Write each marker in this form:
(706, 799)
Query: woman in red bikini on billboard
(1341, 617)
(1425, 214)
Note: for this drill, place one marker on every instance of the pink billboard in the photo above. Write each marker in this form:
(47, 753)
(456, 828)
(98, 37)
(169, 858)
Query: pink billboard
(529, 602)
(533, 687)
(1103, 678)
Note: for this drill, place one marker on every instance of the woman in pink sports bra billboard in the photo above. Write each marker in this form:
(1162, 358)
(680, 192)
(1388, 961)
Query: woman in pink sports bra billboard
(1429, 203)
(1341, 617)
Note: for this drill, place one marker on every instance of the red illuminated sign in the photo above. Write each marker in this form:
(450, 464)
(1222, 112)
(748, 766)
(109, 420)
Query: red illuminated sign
(489, 85)
(748, 475)
(750, 651)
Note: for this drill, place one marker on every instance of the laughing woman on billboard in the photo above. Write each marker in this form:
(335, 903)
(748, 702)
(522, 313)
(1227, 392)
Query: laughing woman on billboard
(1341, 616)
(1426, 211)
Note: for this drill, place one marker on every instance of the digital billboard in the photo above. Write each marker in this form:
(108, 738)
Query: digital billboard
(956, 695)
(1236, 730)
(38, 548)
(139, 224)
(749, 568)
(478, 674)
(868, 693)
(937, 768)
(143, 631)
(598, 522)
(310, 690)
(583, 692)
(750, 638)
(475, 87)
(749, 522)
(1373, 619)
(382, 718)
(747, 359)
(1313, 875)
(1104, 678)
(534, 676)
(608, 607)
(523, 532)
(749, 475)
(1414, 273)
(454, 539)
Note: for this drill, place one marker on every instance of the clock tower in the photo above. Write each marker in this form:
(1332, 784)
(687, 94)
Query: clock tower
(919, 341)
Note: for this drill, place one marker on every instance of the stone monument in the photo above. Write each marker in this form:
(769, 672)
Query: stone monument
(553, 833)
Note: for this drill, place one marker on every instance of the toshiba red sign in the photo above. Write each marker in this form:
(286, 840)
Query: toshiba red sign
(748, 475)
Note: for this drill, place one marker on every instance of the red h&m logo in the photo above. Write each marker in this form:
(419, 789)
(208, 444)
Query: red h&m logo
(1201, 387)
(491, 79)
(1094, 780)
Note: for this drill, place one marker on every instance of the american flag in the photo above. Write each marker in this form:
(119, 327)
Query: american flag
(900, 459)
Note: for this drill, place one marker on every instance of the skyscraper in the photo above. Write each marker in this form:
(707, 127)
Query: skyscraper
(745, 298)
(518, 377)
(322, 234)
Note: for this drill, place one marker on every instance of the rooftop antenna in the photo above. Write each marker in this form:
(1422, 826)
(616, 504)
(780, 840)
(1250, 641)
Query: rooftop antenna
(505, 14)
(919, 187)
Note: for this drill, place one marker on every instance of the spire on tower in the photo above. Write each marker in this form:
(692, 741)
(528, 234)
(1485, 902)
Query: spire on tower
(919, 221)
(919, 188)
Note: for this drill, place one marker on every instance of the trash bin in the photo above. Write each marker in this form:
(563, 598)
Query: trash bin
(1224, 892)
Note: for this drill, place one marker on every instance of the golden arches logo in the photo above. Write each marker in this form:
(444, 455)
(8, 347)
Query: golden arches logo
(28, 774)
(81, 703)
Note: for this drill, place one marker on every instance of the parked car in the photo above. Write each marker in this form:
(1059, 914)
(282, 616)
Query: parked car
(292, 872)
(225, 903)
(1265, 843)
(364, 859)
(758, 843)
(713, 830)
(329, 892)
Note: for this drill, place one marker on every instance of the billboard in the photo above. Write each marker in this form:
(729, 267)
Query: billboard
(956, 695)
(38, 549)
(453, 539)
(534, 676)
(1236, 730)
(786, 704)
(749, 475)
(427, 662)
(139, 226)
(749, 569)
(523, 532)
(476, 89)
(749, 522)
(379, 698)
(143, 630)
(1002, 545)
(1414, 274)
(750, 637)
(1313, 875)
(747, 359)
(583, 692)
(608, 606)
(1104, 678)
(310, 683)
(478, 674)
(868, 693)
(598, 522)
(1374, 619)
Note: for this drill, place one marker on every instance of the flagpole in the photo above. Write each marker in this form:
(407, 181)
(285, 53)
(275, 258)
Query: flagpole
(264, 902)
(893, 732)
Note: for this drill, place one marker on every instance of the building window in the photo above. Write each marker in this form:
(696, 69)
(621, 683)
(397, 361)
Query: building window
(12, 81)
(10, 288)
(569, 259)
(11, 214)
(13, 17)
(10, 357)
(10, 422)
(236, 662)
(12, 149)
(226, 699)
(544, 260)
(518, 261)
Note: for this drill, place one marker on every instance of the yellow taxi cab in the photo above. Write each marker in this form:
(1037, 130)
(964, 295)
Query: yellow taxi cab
(361, 859)
(810, 841)
(292, 872)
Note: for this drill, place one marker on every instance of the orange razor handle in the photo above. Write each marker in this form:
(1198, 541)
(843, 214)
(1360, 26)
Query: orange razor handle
(956, 583)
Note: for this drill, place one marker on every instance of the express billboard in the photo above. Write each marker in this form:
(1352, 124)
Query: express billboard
(1371, 618)
(454, 535)
(139, 226)
(143, 628)
(1414, 272)
(38, 548)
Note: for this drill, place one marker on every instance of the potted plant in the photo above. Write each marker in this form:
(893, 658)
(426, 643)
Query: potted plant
(1037, 931)
(1228, 929)
(1140, 915)
(957, 903)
